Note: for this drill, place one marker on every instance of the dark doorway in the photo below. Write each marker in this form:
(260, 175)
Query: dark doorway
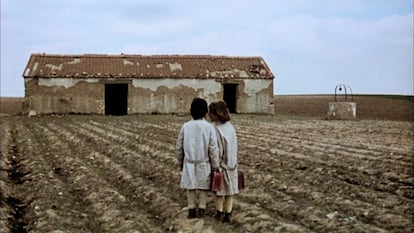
(230, 96)
(116, 99)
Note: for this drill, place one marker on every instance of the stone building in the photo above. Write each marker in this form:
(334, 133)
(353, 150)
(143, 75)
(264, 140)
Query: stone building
(131, 84)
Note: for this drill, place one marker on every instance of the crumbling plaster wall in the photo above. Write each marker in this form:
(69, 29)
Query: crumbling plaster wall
(175, 96)
(63, 95)
(170, 95)
(255, 96)
(66, 95)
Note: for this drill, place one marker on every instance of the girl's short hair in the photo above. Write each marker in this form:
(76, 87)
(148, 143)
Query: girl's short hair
(198, 108)
(220, 110)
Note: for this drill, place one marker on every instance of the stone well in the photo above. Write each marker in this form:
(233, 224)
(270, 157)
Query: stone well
(342, 111)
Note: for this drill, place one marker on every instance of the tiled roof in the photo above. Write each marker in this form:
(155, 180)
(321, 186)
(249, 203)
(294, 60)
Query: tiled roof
(151, 66)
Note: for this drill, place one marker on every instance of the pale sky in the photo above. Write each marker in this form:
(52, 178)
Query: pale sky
(310, 45)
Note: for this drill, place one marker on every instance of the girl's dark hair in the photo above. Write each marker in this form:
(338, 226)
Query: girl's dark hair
(220, 110)
(198, 108)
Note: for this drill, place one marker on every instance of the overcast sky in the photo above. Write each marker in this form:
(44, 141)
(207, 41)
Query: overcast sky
(310, 45)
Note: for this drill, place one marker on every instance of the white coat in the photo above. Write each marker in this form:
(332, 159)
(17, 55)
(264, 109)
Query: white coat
(197, 152)
(228, 159)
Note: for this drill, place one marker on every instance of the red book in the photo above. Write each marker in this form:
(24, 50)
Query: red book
(241, 180)
(216, 181)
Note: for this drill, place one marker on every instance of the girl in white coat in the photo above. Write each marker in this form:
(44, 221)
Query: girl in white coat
(227, 140)
(197, 154)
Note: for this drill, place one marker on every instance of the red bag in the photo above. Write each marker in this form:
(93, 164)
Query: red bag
(216, 181)
(241, 180)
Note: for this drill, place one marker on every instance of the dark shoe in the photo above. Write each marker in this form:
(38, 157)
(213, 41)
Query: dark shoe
(227, 217)
(192, 213)
(201, 213)
(219, 216)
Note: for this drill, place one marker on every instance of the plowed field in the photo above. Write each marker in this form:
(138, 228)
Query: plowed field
(119, 174)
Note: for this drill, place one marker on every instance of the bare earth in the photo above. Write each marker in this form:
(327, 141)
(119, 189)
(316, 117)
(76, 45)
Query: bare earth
(79, 173)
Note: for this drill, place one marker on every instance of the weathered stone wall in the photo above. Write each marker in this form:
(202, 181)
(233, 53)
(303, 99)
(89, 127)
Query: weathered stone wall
(66, 95)
(342, 111)
(256, 96)
(170, 95)
(175, 96)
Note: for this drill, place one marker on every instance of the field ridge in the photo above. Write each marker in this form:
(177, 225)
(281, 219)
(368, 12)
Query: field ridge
(87, 173)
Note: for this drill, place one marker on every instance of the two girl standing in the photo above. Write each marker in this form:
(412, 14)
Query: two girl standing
(202, 148)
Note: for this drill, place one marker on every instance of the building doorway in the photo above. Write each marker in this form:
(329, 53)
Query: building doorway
(116, 99)
(230, 96)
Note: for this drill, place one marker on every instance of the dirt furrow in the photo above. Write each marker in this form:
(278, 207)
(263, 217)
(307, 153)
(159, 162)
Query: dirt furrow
(318, 183)
(259, 224)
(120, 174)
(129, 186)
(6, 210)
(43, 213)
(309, 141)
(351, 181)
(148, 147)
(295, 202)
(163, 148)
(159, 201)
(363, 172)
(13, 206)
(304, 149)
(104, 201)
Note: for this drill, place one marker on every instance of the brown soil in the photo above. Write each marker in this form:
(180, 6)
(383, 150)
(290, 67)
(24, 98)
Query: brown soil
(119, 174)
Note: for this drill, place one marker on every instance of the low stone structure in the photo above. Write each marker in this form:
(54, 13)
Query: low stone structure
(131, 84)
(342, 111)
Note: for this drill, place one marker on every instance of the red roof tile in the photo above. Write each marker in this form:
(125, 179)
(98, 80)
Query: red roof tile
(140, 66)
